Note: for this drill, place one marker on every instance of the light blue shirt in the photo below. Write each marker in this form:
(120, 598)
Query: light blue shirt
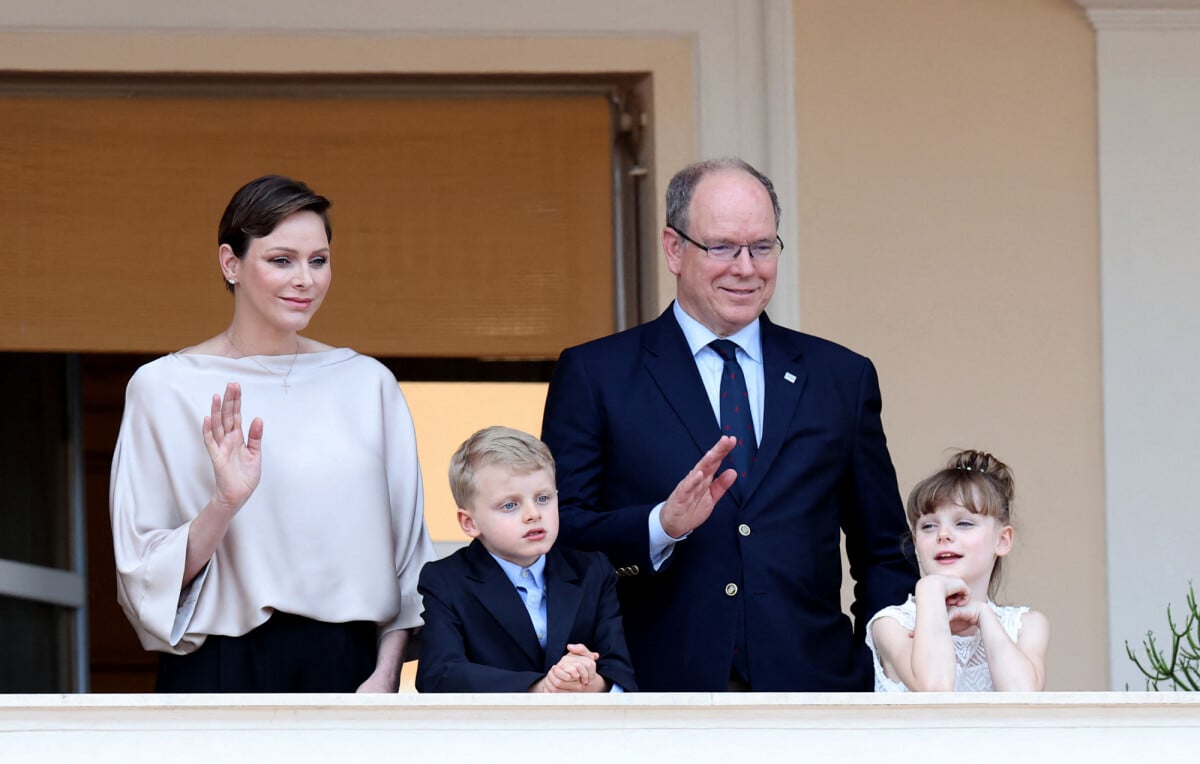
(710, 365)
(531, 585)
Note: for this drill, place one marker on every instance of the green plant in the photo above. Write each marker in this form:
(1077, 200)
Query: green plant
(1177, 668)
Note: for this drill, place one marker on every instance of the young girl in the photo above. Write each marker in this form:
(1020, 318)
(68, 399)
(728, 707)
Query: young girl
(950, 635)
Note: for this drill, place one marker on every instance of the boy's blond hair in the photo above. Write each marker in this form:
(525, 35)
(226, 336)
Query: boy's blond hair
(496, 447)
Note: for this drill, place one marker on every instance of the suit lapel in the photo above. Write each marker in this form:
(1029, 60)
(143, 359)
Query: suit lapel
(784, 378)
(499, 597)
(670, 363)
(563, 594)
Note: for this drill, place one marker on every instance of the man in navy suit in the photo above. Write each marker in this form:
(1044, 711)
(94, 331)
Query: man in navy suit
(731, 575)
(512, 612)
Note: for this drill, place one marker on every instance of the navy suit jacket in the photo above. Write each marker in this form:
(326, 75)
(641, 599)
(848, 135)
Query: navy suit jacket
(627, 417)
(478, 636)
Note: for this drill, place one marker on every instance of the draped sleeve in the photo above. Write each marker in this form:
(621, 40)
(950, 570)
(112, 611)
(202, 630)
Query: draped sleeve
(406, 501)
(150, 520)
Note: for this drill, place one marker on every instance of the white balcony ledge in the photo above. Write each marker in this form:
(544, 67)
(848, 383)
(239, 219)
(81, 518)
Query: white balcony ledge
(694, 727)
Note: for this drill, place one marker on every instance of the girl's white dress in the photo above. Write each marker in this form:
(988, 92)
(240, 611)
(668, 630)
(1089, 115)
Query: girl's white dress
(971, 674)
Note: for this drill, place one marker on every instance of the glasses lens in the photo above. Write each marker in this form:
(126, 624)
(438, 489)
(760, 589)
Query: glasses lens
(765, 249)
(723, 251)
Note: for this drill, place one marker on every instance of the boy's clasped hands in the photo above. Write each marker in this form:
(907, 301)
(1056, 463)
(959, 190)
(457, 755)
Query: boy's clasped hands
(574, 672)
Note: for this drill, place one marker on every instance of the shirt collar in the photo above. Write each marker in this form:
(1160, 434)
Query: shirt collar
(513, 571)
(748, 338)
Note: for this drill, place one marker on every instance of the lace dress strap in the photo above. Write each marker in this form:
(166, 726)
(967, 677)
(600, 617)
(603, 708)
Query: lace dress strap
(1010, 618)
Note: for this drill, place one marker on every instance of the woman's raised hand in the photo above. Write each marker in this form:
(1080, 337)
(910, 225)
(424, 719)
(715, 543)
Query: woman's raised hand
(236, 459)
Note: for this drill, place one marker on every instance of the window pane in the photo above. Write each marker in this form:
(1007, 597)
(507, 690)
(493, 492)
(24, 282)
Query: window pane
(35, 647)
(445, 414)
(34, 525)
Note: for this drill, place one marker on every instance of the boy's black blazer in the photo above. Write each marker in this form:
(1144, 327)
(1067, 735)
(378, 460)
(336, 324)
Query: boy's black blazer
(478, 637)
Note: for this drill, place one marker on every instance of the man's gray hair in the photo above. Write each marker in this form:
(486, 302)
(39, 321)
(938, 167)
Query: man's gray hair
(683, 185)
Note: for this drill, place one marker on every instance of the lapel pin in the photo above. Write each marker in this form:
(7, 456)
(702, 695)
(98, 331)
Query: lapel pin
(790, 377)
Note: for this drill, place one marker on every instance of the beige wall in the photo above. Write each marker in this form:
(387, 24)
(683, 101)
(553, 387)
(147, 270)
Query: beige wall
(1149, 121)
(949, 230)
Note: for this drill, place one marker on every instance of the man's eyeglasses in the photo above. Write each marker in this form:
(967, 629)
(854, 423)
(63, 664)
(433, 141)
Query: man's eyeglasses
(728, 251)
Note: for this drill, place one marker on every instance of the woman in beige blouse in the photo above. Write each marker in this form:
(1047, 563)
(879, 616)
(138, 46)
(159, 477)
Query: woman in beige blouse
(283, 555)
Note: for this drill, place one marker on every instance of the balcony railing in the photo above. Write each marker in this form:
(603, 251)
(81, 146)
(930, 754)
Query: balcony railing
(751, 728)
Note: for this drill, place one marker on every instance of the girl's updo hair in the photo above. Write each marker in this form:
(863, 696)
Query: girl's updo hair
(975, 480)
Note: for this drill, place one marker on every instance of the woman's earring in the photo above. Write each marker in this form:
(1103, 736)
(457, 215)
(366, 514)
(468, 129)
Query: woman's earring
(232, 282)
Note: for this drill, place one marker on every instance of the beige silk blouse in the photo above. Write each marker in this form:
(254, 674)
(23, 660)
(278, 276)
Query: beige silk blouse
(335, 530)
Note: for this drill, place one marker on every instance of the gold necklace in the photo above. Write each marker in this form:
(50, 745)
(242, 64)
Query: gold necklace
(263, 366)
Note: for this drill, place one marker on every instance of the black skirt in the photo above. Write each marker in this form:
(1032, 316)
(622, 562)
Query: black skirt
(288, 653)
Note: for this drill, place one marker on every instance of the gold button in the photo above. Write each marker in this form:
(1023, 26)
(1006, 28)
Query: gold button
(744, 529)
(730, 589)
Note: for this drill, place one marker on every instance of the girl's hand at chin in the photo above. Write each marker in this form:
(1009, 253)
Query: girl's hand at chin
(957, 599)
(949, 588)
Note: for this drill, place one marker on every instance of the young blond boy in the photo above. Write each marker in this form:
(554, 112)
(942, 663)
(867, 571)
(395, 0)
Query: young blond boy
(511, 612)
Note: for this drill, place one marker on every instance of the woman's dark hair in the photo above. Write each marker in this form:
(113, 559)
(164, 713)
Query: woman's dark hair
(975, 480)
(258, 206)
